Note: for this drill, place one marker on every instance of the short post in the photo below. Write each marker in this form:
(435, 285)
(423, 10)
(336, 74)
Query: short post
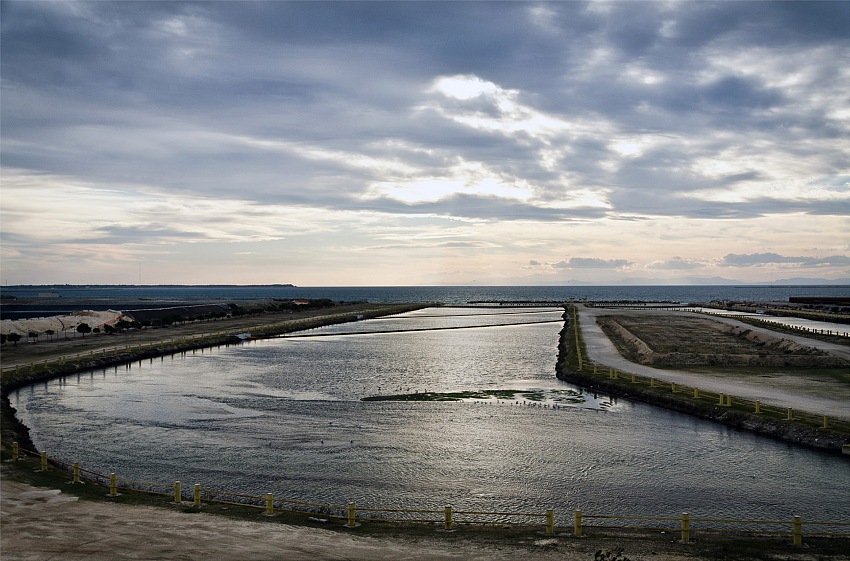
(577, 529)
(352, 515)
(447, 518)
(728, 401)
(758, 406)
(633, 379)
(44, 461)
(825, 422)
(721, 400)
(550, 522)
(595, 371)
(113, 485)
(16, 451)
(197, 495)
(652, 382)
(686, 527)
(269, 504)
(798, 531)
(610, 372)
(77, 472)
(673, 387)
(178, 493)
(790, 414)
(696, 393)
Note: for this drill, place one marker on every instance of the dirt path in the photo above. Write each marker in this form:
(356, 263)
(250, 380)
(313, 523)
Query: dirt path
(601, 350)
(47, 524)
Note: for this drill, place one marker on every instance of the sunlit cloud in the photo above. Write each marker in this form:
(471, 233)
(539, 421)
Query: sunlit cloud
(330, 143)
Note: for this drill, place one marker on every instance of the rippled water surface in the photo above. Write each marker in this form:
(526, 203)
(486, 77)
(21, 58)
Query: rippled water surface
(284, 416)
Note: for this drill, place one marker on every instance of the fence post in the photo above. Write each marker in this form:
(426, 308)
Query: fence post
(577, 530)
(447, 518)
(77, 472)
(178, 493)
(686, 527)
(16, 450)
(550, 521)
(269, 504)
(352, 514)
(113, 485)
(44, 461)
(197, 495)
(798, 531)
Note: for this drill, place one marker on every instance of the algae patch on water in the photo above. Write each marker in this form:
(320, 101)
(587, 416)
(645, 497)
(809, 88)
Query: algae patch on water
(544, 396)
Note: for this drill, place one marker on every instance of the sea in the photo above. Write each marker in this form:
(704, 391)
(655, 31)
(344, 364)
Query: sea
(42, 301)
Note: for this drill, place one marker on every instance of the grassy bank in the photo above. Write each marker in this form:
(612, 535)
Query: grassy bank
(802, 428)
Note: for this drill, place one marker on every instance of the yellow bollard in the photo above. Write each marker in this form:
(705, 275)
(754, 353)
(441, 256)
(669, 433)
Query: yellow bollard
(758, 406)
(673, 387)
(652, 382)
(16, 451)
(721, 399)
(447, 518)
(577, 524)
(595, 370)
(728, 401)
(550, 522)
(825, 422)
(197, 495)
(44, 461)
(269, 504)
(352, 515)
(696, 393)
(113, 485)
(686, 527)
(77, 472)
(798, 531)
(178, 493)
(633, 379)
(610, 372)
(790, 414)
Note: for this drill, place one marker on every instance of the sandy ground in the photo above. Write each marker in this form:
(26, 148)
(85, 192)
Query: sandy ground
(602, 351)
(45, 524)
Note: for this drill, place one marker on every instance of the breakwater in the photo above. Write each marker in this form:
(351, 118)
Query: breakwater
(572, 366)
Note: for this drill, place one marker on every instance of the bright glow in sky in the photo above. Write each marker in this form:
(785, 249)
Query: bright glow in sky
(388, 143)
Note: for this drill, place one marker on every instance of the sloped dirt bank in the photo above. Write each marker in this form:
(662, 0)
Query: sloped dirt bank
(680, 342)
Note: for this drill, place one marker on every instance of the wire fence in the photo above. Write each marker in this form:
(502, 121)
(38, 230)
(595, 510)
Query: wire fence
(699, 396)
(575, 522)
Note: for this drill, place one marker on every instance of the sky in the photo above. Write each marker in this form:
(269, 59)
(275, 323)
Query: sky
(423, 143)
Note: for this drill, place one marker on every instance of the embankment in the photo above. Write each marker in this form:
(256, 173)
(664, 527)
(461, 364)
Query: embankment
(63, 364)
(570, 369)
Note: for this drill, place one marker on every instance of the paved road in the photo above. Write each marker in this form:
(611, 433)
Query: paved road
(601, 350)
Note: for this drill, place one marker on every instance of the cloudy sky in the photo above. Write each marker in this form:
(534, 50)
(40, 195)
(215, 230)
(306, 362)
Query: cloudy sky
(424, 143)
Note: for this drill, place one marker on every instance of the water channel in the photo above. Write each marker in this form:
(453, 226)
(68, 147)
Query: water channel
(285, 416)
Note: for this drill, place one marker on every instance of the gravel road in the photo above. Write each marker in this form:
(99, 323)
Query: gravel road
(601, 350)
